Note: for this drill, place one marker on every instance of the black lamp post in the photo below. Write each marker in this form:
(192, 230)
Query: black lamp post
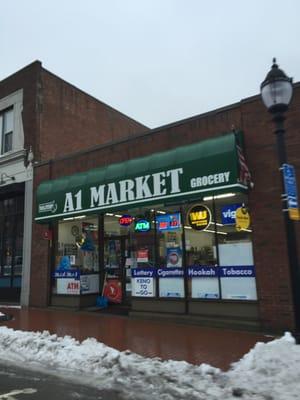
(276, 93)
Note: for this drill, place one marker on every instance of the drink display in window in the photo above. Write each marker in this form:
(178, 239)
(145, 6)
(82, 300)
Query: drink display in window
(77, 264)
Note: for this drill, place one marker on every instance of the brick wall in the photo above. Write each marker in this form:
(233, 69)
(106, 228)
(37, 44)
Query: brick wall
(71, 120)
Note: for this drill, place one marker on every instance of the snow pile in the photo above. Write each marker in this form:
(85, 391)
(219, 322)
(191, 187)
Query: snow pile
(1, 314)
(270, 369)
(268, 372)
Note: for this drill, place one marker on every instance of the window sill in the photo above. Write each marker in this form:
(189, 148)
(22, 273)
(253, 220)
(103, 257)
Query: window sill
(12, 156)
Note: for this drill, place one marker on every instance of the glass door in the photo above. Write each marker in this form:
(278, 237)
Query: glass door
(116, 278)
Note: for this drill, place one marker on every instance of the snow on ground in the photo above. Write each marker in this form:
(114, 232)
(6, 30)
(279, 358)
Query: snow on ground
(1, 314)
(270, 371)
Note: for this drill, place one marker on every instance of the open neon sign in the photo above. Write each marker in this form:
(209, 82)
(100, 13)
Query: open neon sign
(126, 220)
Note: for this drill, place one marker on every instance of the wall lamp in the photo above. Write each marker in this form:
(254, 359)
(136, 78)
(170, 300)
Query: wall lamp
(5, 178)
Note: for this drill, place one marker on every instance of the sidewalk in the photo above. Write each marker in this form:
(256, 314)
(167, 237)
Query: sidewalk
(194, 344)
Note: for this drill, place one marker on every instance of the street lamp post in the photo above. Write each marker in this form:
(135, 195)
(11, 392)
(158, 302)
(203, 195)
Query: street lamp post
(276, 93)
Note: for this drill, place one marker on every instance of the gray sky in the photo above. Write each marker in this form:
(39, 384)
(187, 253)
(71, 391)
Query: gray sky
(157, 61)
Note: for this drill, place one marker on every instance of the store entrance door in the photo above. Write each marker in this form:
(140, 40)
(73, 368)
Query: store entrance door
(117, 279)
(11, 247)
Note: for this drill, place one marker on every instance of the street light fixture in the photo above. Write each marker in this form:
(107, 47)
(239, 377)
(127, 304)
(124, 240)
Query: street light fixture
(276, 93)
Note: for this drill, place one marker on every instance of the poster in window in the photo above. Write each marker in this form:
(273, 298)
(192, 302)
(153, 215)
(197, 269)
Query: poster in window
(174, 257)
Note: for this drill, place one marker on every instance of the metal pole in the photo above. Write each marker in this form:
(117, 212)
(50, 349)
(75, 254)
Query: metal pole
(279, 118)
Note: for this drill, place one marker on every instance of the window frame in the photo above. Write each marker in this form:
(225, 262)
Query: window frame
(4, 134)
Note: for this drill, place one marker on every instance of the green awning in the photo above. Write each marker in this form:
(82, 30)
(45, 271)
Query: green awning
(209, 167)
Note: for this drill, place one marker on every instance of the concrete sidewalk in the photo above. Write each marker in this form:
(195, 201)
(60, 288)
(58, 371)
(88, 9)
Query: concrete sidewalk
(149, 338)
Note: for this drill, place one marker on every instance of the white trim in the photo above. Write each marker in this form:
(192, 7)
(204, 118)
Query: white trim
(14, 100)
(110, 206)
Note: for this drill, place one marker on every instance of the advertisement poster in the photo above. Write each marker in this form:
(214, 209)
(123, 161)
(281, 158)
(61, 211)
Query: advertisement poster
(174, 257)
(68, 286)
(290, 185)
(143, 256)
(113, 291)
(168, 222)
(242, 219)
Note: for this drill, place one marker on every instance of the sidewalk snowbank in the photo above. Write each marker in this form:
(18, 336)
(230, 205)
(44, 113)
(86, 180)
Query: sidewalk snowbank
(269, 371)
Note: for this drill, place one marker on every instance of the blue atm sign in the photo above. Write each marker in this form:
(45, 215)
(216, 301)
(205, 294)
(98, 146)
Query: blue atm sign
(290, 185)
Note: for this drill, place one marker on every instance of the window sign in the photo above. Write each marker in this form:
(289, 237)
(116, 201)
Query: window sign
(170, 272)
(143, 255)
(242, 218)
(143, 282)
(202, 271)
(199, 217)
(228, 213)
(235, 271)
(174, 257)
(126, 220)
(143, 272)
(142, 225)
(168, 222)
(68, 286)
(71, 273)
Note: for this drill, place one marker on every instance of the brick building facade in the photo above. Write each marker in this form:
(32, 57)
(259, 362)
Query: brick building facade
(75, 137)
(41, 112)
(274, 302)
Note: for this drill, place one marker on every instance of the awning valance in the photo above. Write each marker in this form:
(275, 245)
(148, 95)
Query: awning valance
(209, 167)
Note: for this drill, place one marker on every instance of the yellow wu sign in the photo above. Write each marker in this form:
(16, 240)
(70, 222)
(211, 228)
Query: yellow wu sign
(199, 217)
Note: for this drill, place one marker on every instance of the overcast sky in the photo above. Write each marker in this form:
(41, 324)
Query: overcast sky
(157, 61)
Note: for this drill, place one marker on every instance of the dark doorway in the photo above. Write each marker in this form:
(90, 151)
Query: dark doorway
(11, 246)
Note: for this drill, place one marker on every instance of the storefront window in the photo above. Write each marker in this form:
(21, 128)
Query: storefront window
(203, 247)
(219, 256)
(236, 264)
(201, 255)
(76, 263)
(169, 227)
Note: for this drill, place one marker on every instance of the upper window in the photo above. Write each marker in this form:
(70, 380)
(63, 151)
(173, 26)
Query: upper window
(6, 130)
